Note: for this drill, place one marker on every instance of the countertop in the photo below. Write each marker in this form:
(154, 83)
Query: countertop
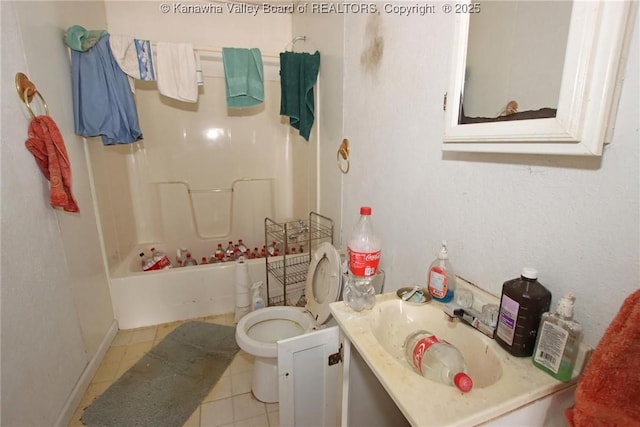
(427, 403)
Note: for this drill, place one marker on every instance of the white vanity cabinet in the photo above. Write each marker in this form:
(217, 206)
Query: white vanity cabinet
(324, 382)
(342, 376)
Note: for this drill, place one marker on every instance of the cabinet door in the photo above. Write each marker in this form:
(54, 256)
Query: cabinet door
(308, 381)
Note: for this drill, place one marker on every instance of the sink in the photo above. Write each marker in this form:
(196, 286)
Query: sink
(502, 383)
(393, 320)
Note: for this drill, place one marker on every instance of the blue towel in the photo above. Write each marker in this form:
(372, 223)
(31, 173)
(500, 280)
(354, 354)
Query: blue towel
(102, 100)
(298, 74)
(244, 77)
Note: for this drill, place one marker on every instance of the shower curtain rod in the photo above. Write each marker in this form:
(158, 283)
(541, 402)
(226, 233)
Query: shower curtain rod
(219, 50)
(267, 54)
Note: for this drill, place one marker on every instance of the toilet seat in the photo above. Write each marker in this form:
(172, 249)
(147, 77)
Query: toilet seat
(322, 288)
(257, 333)
(323, 282)
(266, 318)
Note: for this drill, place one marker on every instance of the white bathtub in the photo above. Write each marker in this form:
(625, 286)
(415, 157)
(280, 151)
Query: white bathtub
(154, 297)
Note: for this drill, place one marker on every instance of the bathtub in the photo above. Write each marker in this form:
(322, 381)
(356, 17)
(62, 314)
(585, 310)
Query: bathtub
(200, 177)
(146, 298)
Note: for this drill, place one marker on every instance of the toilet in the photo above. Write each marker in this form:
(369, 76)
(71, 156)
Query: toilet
(258, 332)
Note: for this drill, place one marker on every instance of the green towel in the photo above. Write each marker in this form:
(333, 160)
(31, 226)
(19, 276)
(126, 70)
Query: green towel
(78, 38)
(298, 74)
(244, 77)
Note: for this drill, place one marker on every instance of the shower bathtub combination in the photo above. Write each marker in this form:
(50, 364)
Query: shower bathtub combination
(202, 175)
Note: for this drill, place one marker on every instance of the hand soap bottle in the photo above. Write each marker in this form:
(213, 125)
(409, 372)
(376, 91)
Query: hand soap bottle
(441, 281)
(558, 340)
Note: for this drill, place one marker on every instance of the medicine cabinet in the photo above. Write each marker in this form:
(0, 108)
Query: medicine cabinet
(584, 88)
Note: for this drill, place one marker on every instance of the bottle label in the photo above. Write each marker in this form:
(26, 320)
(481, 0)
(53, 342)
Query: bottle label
(551, 345)
(507, 321)
(157, 263)
(364, 264)
(438, 282)
(421, 348)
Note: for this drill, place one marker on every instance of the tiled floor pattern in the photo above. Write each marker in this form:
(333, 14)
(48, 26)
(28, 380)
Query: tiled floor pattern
(230, 402)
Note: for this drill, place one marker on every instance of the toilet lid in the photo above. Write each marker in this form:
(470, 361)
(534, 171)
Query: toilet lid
(323, 282)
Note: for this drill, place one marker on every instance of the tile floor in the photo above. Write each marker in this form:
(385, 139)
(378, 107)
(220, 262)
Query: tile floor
(230, 402)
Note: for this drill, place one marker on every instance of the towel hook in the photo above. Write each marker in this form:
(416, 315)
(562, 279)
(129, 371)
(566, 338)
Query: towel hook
(343, 151)
(26, 91)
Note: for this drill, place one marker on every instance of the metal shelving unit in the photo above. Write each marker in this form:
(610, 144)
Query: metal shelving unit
(295, 240)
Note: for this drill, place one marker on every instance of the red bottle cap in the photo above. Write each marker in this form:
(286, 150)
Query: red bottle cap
(463, 382)
(365, 210)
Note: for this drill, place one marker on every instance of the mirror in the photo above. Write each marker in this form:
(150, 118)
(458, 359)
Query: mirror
(537, 77)
(510, 43)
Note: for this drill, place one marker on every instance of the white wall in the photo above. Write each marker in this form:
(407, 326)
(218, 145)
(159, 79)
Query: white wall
(575, 219)
(329, 115)
(56, 308)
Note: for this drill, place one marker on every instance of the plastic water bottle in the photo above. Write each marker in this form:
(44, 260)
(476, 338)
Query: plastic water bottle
(364, 248)
(229, 252)
(272, 249)
(242, 247)
(180, 255)
(189, 260)
(437, 360)
(219, 253)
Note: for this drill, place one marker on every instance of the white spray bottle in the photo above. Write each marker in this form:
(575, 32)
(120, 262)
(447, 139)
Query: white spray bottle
(257, 302)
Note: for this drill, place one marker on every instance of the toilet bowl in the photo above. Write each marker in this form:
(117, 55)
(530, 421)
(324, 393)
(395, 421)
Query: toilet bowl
(258, 332)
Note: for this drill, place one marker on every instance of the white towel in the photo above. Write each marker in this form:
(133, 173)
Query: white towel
(133, 56)
(176, 69)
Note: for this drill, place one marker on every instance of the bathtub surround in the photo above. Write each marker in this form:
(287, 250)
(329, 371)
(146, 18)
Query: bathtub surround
(168, 383)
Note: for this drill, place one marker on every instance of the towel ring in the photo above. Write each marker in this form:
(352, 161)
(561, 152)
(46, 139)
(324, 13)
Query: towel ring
(343, 151)
(26, 91)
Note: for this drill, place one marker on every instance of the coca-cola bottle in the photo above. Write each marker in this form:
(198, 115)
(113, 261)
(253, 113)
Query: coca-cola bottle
(437, 360)
(364, 249)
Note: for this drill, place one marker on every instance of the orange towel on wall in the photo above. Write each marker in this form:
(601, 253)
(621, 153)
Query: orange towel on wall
(47, 146)
(608, 393)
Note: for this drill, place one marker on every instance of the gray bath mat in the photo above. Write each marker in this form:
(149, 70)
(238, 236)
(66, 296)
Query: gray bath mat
(166, 386)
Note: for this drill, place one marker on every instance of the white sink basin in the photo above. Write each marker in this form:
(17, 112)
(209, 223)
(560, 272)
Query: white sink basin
(393, 320)
(502, 383)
